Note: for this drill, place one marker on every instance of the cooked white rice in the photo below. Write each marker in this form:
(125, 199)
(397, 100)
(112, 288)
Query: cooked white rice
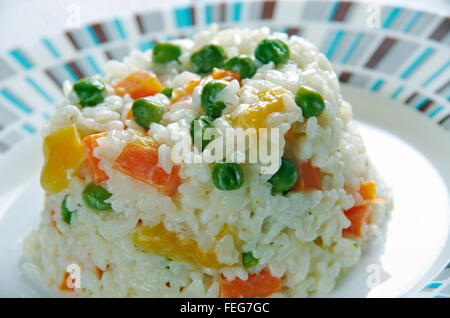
(297, 236)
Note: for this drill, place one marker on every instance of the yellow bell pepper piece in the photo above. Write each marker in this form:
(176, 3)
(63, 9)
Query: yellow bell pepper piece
(63, 154)
(270, 101)
(160, 241)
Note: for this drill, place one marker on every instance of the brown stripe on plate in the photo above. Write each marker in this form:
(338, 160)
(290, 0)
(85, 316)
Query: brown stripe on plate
(292, 31)
(443, 120)
(426, 105)
(441, 30)
(443, 87)
(342, 11)
(380, 52)
(267, 10)
(345, 77)
(139, 23)
(98, 30)
(72, 40)
(222, 9)
(193, 15)
(53, 78)
(410, 98)
(108, 55)
(75, 69)
(3, 147)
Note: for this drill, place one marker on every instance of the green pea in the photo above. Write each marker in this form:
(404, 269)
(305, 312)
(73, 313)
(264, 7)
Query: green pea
(272, 50)
(248, 260)
(286, 177)
(243, 65)
(227, 176)
(95, 196)
(66, 214)
(210, 104)
(203, 122)
(208, 57)
(310, 101)
(146, 111)
(90, 91)
(166, 52)
(167, 91)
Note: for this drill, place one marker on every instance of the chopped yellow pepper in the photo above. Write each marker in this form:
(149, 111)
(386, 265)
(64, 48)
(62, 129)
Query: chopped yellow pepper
(270, 101)
(368, 190)
(160, 241)
(63, 154)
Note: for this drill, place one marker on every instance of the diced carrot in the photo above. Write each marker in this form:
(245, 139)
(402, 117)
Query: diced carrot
(100, 271)
(228, 76)
(140, 162)
(367, 190)
(359, 216)
(64, 284)
(139, 84)
(90, 143)
(54, 224)
(183, 92)
(258, 285)
(217, 74)
(308, 177)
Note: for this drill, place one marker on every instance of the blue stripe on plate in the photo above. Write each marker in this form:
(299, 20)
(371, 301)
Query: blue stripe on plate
(208, 14)
(93, 65)
(119, 28)
(352, 48)
(51, 48)
(376, 86)
(19, 57)
(94, 37)
(333, 11)
(28, 128)
(441, 296)
(411, 22)
(397, 92)
(435, 111)
(71, 74)
(237, 11)
(391, 18)
(183, 17)
(334, 44)
(436, 74)
(16, 101)
(422, 102)
(143, 46)
(425, 54)
(39, 89)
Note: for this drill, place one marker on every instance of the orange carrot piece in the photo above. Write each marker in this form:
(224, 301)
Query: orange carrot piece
(140, 162)
(359, 217)
(100, 271)
(367, 190)
(90, 143)
(308, 177)
(258, 285)
(139, 84)
(52, 213)
(217, 74)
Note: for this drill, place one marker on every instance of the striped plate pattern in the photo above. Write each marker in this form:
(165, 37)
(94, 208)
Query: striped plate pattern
(400, 53)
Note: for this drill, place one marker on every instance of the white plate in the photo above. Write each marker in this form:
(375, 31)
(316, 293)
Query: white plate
(412, 249)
